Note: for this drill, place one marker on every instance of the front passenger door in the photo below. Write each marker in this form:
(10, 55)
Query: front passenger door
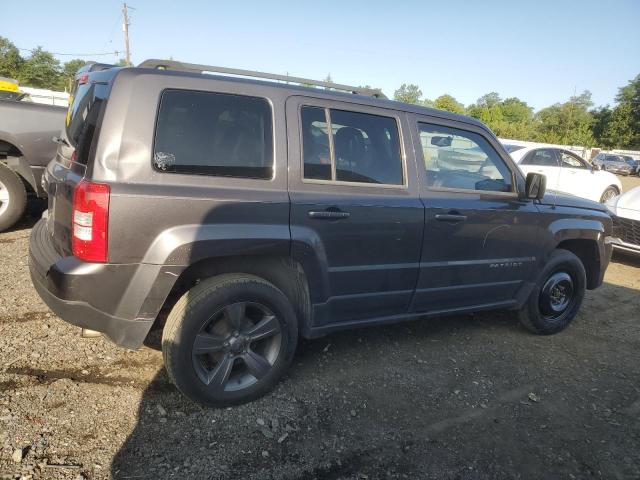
(546, 162)
(480, 238)
(577, 178)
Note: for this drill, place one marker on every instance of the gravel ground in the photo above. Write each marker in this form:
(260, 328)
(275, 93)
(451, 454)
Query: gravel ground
(464, 397)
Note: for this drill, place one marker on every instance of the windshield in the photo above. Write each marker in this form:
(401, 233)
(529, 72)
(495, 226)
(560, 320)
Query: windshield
(513, 148)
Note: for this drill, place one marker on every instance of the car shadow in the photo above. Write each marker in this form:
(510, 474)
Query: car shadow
(471, 396)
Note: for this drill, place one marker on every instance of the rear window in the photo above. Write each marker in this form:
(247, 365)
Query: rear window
(218, 134)
(85, 105)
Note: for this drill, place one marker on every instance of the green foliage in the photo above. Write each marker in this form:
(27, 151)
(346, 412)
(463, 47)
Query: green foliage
(408, 94)
(624, 126)
(448, 103)
(68, 73)
(10, 59)
(509, 118)
(567, 123)
(40, 70)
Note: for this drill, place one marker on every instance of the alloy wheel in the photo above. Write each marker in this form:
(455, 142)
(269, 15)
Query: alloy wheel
(237, 346)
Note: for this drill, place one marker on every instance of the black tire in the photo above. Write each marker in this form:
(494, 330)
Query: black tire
(12, 189)
(204, 314)
(540, 315)
(607, 193)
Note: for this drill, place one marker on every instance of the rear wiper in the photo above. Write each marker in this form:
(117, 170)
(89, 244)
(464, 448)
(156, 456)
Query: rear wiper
(60, 141)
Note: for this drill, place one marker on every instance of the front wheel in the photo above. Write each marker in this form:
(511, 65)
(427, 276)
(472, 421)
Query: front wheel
(557, 296)
(229, 339)
(609, 193)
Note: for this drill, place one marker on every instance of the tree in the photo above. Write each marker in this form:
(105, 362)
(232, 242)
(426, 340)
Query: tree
(515, 110)
(567, 123)
(10, 60)
(68, 74)
(626, 116)
(601, 128)
(448, 103)
(510, 118)
(328, 79)
(40, 70)
(408, 93)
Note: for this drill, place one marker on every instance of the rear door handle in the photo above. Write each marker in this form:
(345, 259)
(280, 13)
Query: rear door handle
(450, 217)
(328, 214)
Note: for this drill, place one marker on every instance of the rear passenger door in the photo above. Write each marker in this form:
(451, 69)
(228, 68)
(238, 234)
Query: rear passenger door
(480, 238)
(356, 216)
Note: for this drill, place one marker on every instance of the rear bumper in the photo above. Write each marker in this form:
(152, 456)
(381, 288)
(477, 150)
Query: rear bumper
(121, 301)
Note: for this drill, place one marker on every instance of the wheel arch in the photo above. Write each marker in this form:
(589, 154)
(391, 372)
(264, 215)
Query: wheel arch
(283, 272)
(589, 254)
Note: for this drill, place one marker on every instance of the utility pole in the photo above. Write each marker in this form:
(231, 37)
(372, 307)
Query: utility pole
(125, 29)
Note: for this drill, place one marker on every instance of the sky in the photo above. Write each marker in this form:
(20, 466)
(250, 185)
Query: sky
(540, 51)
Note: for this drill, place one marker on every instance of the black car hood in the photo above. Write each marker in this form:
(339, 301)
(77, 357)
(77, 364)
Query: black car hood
(552, 197)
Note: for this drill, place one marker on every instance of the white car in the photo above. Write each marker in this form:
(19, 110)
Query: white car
(566, 172)
(625, 211)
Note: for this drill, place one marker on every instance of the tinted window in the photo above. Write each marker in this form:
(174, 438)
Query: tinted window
(366, 148)
(460, 159)
(214, 134)
(545, 157)
(85, 106)
(316, 150)
(571, 161)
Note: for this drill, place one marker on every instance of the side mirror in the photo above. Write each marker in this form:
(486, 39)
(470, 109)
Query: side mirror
(535, 186)
(595, 167)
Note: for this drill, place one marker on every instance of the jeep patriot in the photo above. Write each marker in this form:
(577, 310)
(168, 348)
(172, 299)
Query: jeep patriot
(239, 214)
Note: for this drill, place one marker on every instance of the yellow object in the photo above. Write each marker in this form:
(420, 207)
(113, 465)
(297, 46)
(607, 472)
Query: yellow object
(8, 85)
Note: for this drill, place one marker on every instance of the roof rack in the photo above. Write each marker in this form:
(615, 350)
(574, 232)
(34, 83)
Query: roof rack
(195, 67)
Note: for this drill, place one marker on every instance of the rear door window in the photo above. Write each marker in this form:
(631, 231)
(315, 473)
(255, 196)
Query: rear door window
(544, 157)
(347, 146)
(219, 134)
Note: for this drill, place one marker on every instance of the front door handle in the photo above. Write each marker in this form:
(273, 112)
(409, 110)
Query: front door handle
(451, 217)
(328, 214)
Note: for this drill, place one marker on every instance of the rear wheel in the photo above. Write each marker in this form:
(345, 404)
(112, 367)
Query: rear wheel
(609, 193)
(558, 294)
(229, 339)
(13, 198)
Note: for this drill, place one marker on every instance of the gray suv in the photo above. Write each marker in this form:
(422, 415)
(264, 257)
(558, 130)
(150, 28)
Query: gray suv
(239, 215)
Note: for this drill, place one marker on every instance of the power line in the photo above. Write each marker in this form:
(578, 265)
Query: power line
(112, 31)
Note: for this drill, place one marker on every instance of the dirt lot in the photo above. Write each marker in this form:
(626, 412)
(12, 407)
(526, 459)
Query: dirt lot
(463, 397)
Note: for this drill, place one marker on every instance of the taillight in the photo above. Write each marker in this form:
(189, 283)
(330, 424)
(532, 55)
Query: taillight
(84, 78)
(89, 240)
